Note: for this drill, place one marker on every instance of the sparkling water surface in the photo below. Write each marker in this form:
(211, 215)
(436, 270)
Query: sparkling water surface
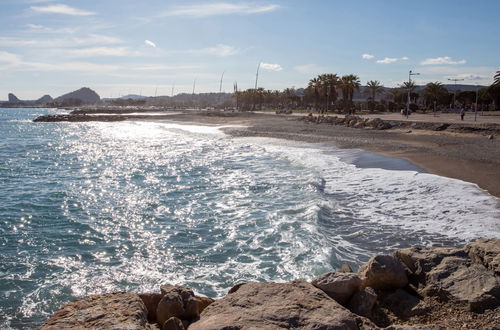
(98, 207)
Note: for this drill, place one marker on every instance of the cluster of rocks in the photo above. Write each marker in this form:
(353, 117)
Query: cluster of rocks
(380, 124)
(399, 291)
(350, 121)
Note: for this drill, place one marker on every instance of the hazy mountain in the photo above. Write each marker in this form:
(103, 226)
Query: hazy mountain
(13, 98)
(85, 95)
(44, 99)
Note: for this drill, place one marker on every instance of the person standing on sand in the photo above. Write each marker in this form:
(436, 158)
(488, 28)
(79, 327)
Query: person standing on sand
(462, 113)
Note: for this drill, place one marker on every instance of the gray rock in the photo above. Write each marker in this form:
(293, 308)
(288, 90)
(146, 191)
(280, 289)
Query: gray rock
(403, 304)
(383, 272)
(461, 280)
(339, 286)
(419, 261)
(120, 310)
(362, 302)
(278, 306)
(485, 252)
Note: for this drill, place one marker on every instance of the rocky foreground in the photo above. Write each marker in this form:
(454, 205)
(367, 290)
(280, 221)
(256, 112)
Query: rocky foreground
(415, 288)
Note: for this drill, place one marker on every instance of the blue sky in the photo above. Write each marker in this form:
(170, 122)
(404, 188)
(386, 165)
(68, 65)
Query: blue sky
(117, 47)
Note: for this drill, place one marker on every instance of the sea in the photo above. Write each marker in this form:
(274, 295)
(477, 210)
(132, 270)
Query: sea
(127, 206)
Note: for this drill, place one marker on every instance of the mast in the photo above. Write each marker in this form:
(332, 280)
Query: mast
(220, 86)
(257, 75)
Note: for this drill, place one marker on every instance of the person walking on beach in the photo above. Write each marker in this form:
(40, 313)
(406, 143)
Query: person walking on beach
(462, 113)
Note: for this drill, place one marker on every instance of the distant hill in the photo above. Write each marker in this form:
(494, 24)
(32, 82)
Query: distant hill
(45, 99)
(85, 95)
(13, 98)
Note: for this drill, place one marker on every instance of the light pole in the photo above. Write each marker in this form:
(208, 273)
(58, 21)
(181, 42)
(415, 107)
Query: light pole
(455, 92)
(409, 92)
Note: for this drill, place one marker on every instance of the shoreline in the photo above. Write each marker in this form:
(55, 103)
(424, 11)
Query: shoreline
(466, 157)
(467, 152)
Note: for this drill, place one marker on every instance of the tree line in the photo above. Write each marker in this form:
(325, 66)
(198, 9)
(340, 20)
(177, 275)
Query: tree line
(330, 92)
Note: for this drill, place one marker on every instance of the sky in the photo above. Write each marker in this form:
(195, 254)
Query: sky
(154, 47)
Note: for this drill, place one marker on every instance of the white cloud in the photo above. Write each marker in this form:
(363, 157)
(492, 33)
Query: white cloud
(45, 29)
(61, 9)
(220, 8)
(309, 69)
(441, 60)
(92, 39)
(150, 43)
(162, 67)
(8, 60)
(218, 50)
(101, 51)
(389, 60)
(72, 66)
(367, 56)
(270, 66)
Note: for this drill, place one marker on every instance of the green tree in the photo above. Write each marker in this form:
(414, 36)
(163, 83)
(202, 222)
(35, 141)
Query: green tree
(323, 88)
(374, 87)
(348, 84)
(435, 94)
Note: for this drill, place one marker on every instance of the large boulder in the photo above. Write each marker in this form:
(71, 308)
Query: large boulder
(450, 274)
(180, 302)
(461, 280)
(421, 260)
(363, 302)
(278, 306)
(339, 286)
(383, 272)
(120, 310)
(485, 252)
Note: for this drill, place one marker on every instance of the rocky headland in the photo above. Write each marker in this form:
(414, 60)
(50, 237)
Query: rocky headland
(413, 288)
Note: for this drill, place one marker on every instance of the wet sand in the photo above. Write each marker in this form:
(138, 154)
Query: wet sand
(469, 157)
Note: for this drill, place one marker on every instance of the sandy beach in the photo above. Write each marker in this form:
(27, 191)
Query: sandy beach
(470, 157)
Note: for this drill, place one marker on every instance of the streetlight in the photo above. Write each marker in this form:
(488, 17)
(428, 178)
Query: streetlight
(455, 92)
(409, 92)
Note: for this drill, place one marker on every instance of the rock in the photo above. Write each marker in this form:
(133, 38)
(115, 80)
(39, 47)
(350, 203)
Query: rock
(173, 323)
(485, 252)
(460, 280)
(297, 304)
(120, 310)
(416, 327)
(339, 286)
(151, 301)
(362, 302)
(235, 288)
(180, 302)
(345, 268)
(419, 261)
(383, 272)
(403, 304)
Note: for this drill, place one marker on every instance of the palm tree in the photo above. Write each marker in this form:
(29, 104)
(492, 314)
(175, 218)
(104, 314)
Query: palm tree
(374, 87)
(434, 92)
(409, 86)
(348, 84)
(323, 87)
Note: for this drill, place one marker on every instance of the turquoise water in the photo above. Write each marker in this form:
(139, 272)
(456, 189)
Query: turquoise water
(99, 207)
